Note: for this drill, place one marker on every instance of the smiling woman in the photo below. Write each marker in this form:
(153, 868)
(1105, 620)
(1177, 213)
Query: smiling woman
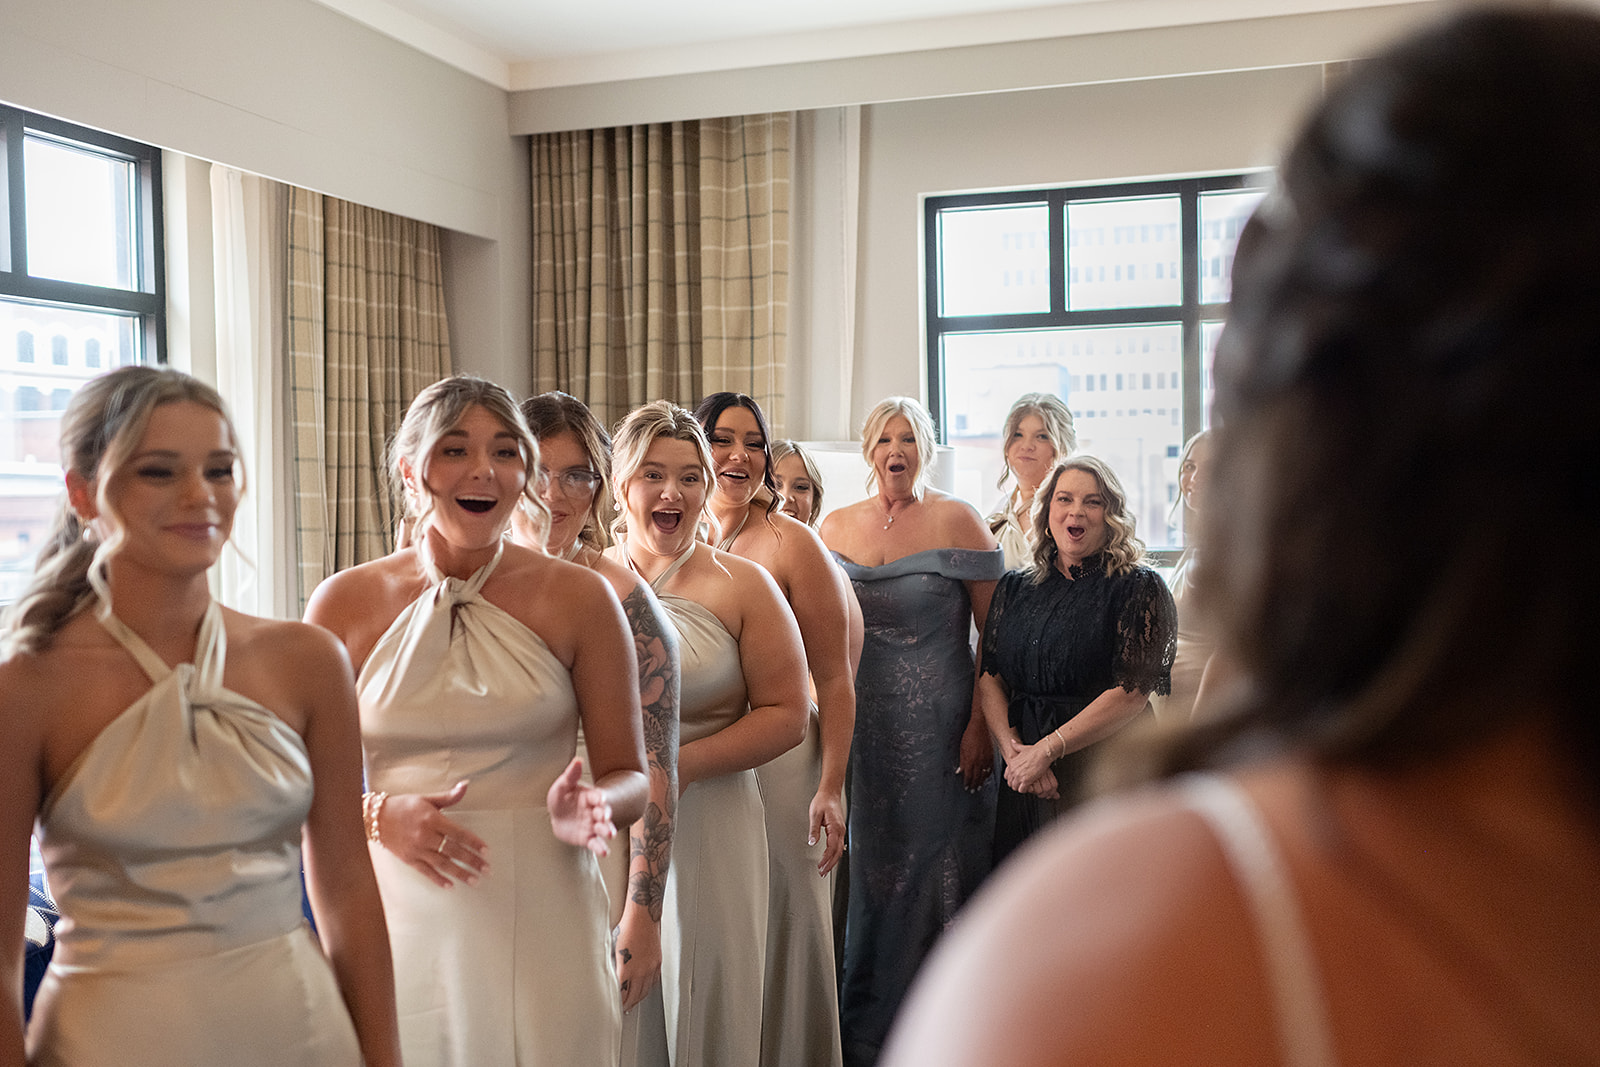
(1038, 431)
(576, 453)
(744, 704)
(802, 790)
(478, 659)
(182, 941)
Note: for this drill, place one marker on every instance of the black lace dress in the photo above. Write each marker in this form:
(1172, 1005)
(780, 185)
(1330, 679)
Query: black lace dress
(1057, 646)
(919, 842)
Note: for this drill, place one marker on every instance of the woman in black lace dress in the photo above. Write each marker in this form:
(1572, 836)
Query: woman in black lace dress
(1074, 646)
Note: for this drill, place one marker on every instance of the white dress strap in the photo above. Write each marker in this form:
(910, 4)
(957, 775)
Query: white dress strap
(210, 650)
(468, 588)
(726, 544)
(1304, 1033)
(665, 576)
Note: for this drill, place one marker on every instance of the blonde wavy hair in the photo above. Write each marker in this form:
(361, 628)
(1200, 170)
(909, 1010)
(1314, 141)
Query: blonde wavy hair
(782, 449)
(921, 427)
(100, 429)
(1123, 551)
(436, 411)
(1057, 419)
(631, 441)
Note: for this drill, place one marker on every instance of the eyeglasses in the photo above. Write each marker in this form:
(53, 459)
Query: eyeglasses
(574, 481)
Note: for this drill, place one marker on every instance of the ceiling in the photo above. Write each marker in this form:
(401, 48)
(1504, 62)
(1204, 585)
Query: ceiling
(537, 44)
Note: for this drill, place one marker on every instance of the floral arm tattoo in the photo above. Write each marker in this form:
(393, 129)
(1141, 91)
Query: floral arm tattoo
(656, 645)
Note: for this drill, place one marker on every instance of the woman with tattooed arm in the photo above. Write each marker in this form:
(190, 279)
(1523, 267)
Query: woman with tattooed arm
(575, 462)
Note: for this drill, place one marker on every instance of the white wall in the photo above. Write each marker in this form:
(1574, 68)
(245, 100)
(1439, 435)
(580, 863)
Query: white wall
(1091, 133)
(293, 91)
(297, 92)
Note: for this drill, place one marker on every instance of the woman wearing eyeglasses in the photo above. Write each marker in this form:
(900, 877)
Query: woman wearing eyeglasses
(574, 459)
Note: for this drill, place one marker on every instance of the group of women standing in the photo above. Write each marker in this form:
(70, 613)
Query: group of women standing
(530, 692)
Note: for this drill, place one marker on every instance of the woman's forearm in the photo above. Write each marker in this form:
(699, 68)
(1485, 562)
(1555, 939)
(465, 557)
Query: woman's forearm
(762, 735)
(1102, 717)
(836, 712)
(626, 791)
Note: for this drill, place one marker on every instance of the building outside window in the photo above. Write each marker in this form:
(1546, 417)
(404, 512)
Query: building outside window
(81, 291)
(1111, 297)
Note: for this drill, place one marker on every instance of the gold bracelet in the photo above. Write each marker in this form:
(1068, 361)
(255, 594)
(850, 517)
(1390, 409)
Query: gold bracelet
(371, 807)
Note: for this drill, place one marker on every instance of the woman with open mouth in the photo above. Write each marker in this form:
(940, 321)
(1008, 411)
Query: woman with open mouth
(1038, 431)
(743, 705)
(1073, 649)
(574, 461)
(923, 564)
(477, 660)
(802, 790)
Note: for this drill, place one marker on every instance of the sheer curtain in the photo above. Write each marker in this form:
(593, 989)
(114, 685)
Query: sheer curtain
(249, 252)
(643, 236)
(367, 332)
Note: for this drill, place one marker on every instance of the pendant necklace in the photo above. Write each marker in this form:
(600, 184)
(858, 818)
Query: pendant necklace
(889, 516)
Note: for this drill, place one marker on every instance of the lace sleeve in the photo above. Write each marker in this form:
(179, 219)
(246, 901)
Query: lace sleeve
(989, 656)
(1147, 635)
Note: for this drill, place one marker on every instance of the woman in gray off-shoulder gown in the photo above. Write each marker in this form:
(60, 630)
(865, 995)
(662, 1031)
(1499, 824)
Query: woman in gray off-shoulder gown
(923, 564)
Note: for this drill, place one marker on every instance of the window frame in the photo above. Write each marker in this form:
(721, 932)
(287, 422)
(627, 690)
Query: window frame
(149, 300)
(1190, 313)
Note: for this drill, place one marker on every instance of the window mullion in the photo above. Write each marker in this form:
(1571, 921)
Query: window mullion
(16, 248)
(1058, 255)
(1192, 414)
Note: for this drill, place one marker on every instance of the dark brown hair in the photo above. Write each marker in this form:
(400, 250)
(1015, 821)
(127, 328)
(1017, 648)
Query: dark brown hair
(1423, 282)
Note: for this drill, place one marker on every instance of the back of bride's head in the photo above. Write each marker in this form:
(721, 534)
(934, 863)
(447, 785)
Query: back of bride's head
(1409, 402)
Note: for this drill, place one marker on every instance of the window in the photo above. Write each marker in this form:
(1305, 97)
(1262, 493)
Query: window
(81, 291)
(1128, 285)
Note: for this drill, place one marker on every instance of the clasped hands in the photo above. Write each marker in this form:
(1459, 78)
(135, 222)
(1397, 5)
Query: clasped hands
(1028, 767)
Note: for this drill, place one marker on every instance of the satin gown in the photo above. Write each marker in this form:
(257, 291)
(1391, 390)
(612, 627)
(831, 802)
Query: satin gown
(517, 969)
(714, 917)
(172, 847)
(800, 1014)
(919, 842)
(1009, 524)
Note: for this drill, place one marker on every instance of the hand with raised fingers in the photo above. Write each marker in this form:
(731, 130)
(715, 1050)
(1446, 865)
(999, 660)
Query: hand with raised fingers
(579, 814)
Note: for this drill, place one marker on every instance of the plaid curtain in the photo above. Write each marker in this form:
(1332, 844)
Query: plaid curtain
(367, 332)
(661, 262)
(744, 257)
(616, 220)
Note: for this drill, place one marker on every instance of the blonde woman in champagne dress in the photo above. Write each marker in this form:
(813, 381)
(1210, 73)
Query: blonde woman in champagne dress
(478, 658)
(744, 704)
(1038, 432)
(176, 755)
